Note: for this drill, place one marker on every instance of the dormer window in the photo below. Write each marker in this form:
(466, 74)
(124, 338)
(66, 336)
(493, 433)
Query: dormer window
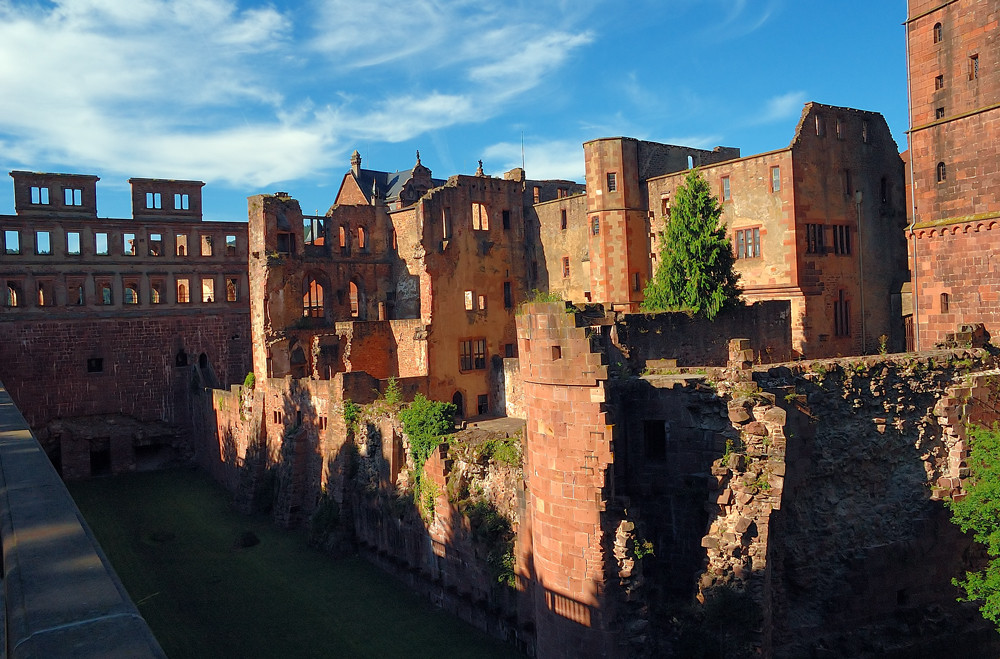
(154, 200)
(39, 195)
(182, 202)
(72, 197)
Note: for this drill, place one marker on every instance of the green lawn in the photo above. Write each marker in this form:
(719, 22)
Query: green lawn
(172, 539)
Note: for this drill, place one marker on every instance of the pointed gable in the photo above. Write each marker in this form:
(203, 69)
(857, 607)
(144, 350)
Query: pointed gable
(350, 192)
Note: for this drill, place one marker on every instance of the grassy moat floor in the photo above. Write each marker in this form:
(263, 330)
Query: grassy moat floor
(173, 539)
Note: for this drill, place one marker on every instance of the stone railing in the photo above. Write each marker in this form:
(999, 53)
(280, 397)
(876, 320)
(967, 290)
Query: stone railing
(61, 596)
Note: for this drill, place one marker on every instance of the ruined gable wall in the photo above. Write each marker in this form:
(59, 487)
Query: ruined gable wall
(839, 153)
(477, 262)
(556, 243)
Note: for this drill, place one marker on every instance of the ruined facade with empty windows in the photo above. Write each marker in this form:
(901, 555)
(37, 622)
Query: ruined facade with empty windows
(107, 323)
(818, 223)
(954, 235)
(406, 276)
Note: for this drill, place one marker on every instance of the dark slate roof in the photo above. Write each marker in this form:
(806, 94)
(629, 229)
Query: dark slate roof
(390, 184)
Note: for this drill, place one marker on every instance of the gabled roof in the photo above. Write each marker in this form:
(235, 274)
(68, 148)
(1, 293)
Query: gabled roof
(388, 184)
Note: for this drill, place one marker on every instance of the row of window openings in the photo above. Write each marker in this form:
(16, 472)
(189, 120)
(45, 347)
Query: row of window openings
(154, 201)
(45, 295)
(472, 354)
(278, 419)
(480, 219)
(816, 239)
(313, 300)
(43, 243)
(537, 194)
(74, 197)
(474, 302)
(820, 125)
(314, 233)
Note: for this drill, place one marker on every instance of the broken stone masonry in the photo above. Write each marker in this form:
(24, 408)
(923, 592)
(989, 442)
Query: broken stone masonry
(789, 509)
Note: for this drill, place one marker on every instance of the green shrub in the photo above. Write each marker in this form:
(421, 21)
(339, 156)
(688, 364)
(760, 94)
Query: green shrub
(425, 422)
(393, 392)
(505, 450)
(249, 381)
(352, 414)
(979, 512)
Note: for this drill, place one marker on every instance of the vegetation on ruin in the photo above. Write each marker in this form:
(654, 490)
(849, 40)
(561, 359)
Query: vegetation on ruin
(174, 540)
(249, 381)
(695, 271)
(493, 530)
(425, 423)
(352, 414)
(979, 512)
(505, 450)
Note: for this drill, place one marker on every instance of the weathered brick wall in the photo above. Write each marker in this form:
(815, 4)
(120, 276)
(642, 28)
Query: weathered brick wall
(45, 364)
(696, 341)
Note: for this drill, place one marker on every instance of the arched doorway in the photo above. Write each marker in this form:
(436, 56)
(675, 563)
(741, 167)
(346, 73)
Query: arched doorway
(459, 401)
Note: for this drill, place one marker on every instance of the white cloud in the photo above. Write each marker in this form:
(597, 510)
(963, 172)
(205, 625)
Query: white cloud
(558, 159)
(782, 107)
(210, 89)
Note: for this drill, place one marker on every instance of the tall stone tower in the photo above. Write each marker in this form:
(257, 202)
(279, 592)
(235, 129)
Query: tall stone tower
(954, 161)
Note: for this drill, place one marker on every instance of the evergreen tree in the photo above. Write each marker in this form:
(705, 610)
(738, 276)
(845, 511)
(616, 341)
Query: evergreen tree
(696, 260)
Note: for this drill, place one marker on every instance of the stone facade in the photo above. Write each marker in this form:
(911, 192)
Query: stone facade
(108, 325)
(820, 223)
(954, 78)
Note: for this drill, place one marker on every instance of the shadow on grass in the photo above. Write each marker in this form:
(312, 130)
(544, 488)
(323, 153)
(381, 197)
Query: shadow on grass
(176, 544)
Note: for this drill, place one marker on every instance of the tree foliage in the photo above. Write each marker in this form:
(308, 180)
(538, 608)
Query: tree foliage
(425, 423)
(979, 512)
(696, 261)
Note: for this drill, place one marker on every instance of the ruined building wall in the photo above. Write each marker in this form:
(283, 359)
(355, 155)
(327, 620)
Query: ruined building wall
(476, 269)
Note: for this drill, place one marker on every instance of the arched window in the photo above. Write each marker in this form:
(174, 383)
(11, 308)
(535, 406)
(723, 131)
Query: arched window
(312, 300)
(11, 299)
(355, 308)
(942, 172)
(131, 295)
(937, 33)
(362, 238)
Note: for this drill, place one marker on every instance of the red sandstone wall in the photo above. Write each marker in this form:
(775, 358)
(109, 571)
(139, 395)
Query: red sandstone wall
(956, 261)
(44, 364)
(567, 460)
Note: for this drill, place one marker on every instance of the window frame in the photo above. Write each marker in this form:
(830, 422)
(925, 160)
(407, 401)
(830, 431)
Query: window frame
(747, 238)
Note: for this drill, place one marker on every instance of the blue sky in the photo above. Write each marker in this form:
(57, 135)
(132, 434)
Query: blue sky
(257, 97)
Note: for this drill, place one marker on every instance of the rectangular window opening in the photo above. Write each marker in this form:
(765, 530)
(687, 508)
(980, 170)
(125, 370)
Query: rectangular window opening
(39, 195)
(72, 242)
(206, 245)
(208, 290)
(43, 242)
(155, 244)
(230, 245)
(612, 181)
(72, 197)
(11, 241)
(154, 200)
(181, 202)
(101, 243)
(181, 244)
(128, 244)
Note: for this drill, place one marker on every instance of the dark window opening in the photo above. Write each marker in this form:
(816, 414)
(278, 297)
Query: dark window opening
(508, 296)
(942, 172)
(595, 225)
(842, 315)
(506, 220)
(944, 302)
(483, 404)
(655, 440)
(181, 359)
(612, 182)
(938, 33)
(459, 402)
(562, 219)
(285, 243)
(95, 365)
(815, 234)
(841, 239)
(556, 352)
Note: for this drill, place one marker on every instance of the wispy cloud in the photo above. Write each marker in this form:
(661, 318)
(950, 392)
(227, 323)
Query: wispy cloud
(151, 87)
(779, 108)
(560, 159)
(742, 17)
